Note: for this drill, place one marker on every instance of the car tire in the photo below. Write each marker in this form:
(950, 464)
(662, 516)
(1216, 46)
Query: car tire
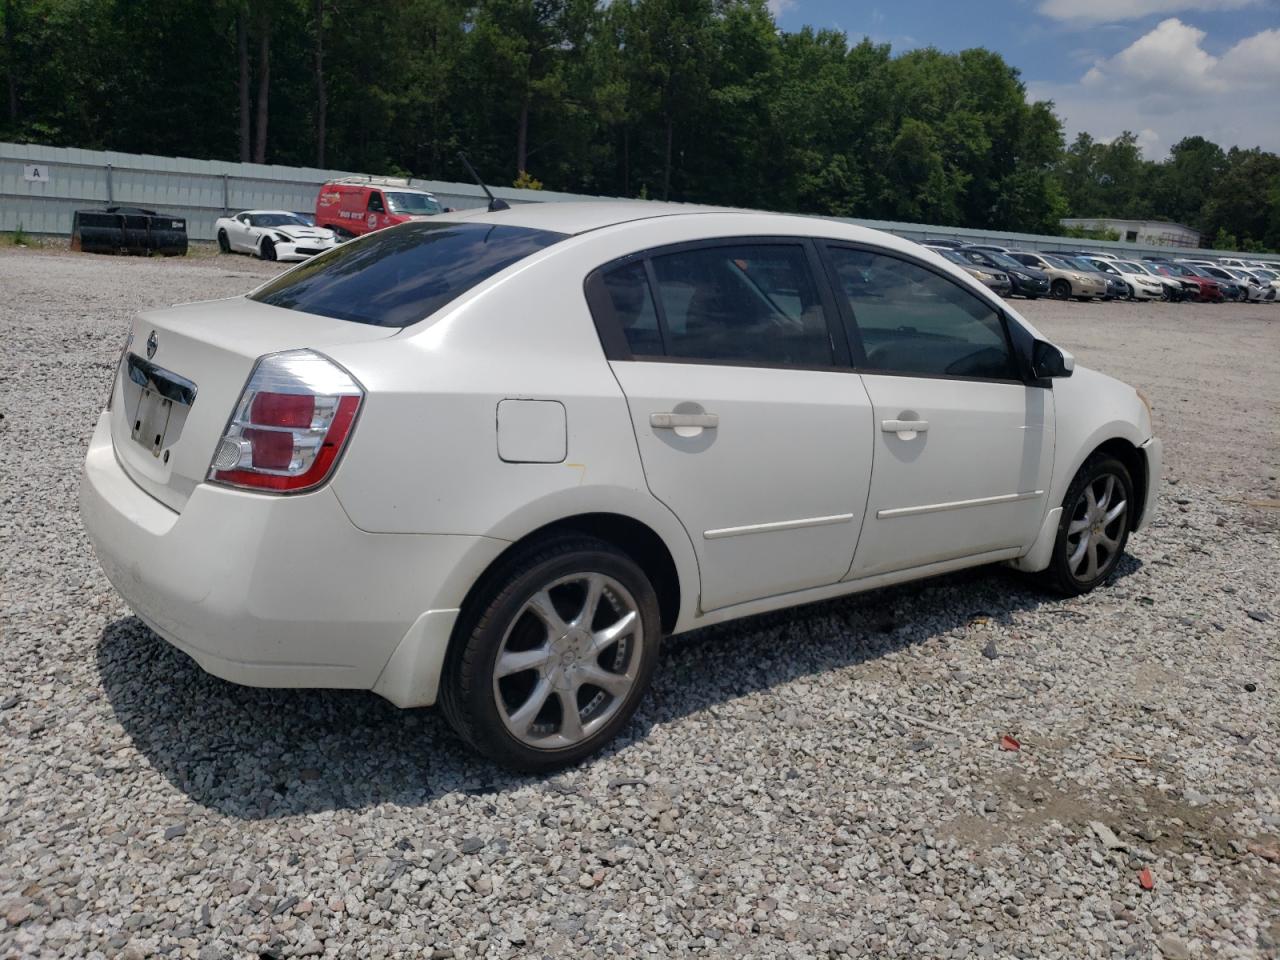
(224, 245)
(1060, 290)
(1084, 557)
(266, 249)
(1033, 296)
(515, 668)
(1132, 295)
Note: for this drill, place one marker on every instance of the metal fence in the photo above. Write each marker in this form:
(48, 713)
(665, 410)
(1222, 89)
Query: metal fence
(41, 187)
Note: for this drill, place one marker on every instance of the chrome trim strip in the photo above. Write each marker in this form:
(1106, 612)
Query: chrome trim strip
(772, 527)
(159, 380)
(956, 505)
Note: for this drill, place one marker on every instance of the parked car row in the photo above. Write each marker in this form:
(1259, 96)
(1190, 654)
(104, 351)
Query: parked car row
(1086, 275)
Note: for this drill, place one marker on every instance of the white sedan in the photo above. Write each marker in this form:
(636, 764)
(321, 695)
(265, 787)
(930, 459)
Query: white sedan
(492, 459)
(272, 235)
(1142, 285)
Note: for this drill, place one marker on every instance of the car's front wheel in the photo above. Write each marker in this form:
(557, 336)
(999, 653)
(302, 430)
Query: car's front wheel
(224, 245)
(1061, 289)
(1096, 517)
(267, 249)
(553, 656)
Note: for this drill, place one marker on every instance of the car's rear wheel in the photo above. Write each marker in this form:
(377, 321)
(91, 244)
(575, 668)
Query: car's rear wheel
(1060, 289)
(1096, 517)
(266, 249)
(553, 656)
(224, 245)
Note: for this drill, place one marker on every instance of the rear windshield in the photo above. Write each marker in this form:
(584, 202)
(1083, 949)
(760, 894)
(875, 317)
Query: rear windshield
(398, 276)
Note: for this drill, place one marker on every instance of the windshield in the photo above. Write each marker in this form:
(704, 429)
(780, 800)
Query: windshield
(1006, 261)
(396, 277)
(1127, 266)
(414, 204)
(1079, 263)
(275, 220)
(1265, 274)
(1058, 262)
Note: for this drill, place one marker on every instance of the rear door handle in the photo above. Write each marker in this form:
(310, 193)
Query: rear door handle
(905, 429)
(669, 421)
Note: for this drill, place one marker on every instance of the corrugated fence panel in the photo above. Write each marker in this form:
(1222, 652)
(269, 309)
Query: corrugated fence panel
(203, 190)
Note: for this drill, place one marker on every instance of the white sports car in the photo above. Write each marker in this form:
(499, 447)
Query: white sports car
(272, 235)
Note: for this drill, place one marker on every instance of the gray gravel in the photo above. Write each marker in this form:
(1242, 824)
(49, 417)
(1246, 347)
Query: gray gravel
(821, 783)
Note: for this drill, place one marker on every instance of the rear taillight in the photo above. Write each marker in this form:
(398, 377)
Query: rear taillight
(290, 424)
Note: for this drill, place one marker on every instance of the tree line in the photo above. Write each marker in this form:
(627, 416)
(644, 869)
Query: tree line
(700, 100)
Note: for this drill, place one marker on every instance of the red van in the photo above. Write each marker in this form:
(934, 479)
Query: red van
(354, 206)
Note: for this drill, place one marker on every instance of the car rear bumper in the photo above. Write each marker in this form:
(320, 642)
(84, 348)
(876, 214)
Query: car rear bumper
(277, 591)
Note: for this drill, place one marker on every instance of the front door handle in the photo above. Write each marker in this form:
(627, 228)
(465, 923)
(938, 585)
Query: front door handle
(905, 429)
(670, 421)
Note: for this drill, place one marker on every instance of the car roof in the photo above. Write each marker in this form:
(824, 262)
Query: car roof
(584, 216)
(286, 213)
(576, 218)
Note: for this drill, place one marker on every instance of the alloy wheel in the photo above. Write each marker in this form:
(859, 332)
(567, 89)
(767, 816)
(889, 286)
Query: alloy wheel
(568, 660)
(1097, 527)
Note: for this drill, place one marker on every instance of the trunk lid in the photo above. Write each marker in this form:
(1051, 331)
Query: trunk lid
(169, 409)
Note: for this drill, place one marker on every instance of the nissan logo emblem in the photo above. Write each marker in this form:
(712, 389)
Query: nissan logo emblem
(151, 345)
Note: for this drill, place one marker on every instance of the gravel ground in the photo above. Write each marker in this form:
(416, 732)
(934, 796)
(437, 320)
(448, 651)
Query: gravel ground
(819, 783)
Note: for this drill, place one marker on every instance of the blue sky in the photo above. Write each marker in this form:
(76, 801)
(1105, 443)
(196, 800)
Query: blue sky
(1161, 68)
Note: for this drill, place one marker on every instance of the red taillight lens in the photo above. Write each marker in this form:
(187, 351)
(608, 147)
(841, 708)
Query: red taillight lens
(290, 424)
(283, 409)
(270, 449)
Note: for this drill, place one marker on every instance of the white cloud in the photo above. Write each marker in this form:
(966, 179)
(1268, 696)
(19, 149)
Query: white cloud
(1166, 85)
(779, 7)
(1113, 11)
(1168, 59)
(1254, 61)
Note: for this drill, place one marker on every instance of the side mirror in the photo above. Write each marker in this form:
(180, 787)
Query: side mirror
(1048, 362)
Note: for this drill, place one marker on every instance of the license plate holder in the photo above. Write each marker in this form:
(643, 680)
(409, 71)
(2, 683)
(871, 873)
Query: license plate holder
(151, 420)
(159, 392)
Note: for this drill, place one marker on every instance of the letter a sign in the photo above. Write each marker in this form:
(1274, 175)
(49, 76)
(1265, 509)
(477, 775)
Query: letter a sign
(35, 173)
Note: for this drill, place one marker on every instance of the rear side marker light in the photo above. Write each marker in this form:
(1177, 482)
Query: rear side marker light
(289, 426)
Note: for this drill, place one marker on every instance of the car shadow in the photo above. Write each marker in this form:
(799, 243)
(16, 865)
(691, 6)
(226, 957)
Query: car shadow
(258, 754)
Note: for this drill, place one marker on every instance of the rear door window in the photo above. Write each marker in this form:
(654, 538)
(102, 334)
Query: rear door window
(396, 277)
(743, 303)
(752, 303)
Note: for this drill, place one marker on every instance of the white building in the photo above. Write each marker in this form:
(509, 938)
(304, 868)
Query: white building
(1153, 232)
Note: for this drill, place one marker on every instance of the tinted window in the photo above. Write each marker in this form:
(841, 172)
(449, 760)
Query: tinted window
(749, 302)
(632, 301)
(396, 277)
(911, 320)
